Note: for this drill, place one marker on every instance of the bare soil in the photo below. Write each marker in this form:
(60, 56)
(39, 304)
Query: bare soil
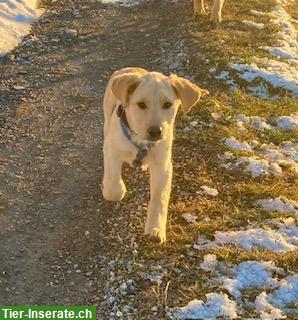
(60, 242)
(58, 238)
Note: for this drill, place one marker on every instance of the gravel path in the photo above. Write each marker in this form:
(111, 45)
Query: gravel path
(60, 243)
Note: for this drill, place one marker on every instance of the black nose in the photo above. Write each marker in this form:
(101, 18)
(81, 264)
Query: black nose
(155, 133)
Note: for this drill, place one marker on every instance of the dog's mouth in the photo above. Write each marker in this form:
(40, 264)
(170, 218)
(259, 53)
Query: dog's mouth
(154, 139)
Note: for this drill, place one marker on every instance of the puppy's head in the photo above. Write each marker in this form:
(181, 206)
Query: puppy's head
(152, 101)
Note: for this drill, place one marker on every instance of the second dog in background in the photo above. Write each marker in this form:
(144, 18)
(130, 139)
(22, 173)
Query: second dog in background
(215, 16)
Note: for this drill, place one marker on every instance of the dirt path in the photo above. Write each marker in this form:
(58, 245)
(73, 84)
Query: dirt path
(57, 233)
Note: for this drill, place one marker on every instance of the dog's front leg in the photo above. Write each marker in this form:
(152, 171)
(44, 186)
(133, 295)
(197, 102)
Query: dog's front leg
(160, 189)
(199, 7)
(216, 10)
(113, 187)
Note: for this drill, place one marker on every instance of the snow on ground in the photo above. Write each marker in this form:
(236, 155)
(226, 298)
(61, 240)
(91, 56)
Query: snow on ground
(266, 158)
(260, 124)
(216, 305)
(234, 144)
(248, 275)
(254, 166)
(287, 45)
(271, 306)
(280, 123)
(253, 25)
(280, 204)
(280, 240)
(280, 71)
(15, 22)
(210, 262)
(259, 275)
(286, 293)
(259, 13)
(279, 74)
(287, 122)
(208, 191)
(286, 154)
(190, 218)
(225, 75)
(266, 309)
(257, 167)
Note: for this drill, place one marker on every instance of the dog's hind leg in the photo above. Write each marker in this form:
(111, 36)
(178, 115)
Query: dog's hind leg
(216, 10)
(113, 187)
(160, 189)
(199, 7)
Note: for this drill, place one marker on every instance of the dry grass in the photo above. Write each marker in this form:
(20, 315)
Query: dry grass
(196, 163)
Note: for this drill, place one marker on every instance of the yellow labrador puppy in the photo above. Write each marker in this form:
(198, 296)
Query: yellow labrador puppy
(199, 8)
(140, 109)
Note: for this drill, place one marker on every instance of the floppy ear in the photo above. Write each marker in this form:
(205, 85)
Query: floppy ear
(187, 92)
(124, 85)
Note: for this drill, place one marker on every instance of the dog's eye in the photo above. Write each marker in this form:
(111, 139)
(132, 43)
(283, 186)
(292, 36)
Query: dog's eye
(142, 105)
(167, 105)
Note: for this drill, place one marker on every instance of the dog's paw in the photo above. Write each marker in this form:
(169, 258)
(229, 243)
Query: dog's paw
(156, 235)
(116, 193)
(215, 18)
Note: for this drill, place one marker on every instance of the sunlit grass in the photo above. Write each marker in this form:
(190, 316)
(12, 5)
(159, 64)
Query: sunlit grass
(197, 162)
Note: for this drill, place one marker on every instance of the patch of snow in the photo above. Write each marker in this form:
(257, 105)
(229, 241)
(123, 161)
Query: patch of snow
(265, 160)
(190, 218)
(287, 122)
(282, 70)
(257, 238)
(260, 123)
(280, 204)
(216, 305)
(253, 25)
(287, 292)
(271, 306)
(281, 123)
(257, 167)
(290, 231)
(234, 144)
(202, 242)
(266, 309)
(193, 123)
(155, 278)
(242, 118)
(223, 75)
(278, 74)
(209, 191)
(210, 262)
(259, 13)
(285, 154)
(15, 22)
(261, 91)
(281, 221)
(215, 116)
(287, 46)
(273, 240)
(250, 274)
(227, 156)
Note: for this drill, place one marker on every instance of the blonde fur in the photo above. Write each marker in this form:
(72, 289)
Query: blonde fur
(215, 16)
(128, 87)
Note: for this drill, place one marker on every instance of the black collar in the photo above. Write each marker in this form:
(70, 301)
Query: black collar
(143, 148)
